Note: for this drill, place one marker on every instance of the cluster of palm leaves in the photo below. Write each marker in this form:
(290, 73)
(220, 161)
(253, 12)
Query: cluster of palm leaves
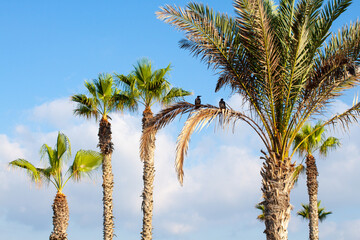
(284, 63)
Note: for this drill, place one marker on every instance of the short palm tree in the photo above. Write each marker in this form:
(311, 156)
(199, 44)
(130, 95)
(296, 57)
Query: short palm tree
(285, 64)
(84, 163)
(149, 86)
(103, 98)
(305, 212)
(307, 141)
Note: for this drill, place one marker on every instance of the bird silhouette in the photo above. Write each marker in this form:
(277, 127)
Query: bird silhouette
(222, 104)
(197, 102)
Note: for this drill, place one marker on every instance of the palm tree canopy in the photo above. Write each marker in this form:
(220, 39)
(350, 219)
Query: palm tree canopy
(84, 163)
(310, 139)
(102, 98)
(321, 212)
(148, 86)
(281, 59)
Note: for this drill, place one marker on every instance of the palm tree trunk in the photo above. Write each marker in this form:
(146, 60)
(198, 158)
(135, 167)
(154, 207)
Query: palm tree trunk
(148, 177)
(312, 185)
(60, 217)
(277, 184)
(106, 147)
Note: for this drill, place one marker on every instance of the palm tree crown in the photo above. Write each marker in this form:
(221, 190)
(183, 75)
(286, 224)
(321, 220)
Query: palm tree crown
(322, 214)
(148, 86)
(84, 162)
(103, 98)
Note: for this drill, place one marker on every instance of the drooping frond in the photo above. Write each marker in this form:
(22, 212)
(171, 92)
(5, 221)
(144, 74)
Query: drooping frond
(203, 117)
(84, 163)
(160, 120)
(330, 143)
(31, 170)
(86, 107)
(300, 169)
(346, 118)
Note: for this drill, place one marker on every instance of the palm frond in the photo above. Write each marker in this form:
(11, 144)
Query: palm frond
(300, 169)
(330, 143)
(86, 107)
(84, 163)
(31, 170)
(63, 146)
(174, 95)
(203, 117)
(46, 152)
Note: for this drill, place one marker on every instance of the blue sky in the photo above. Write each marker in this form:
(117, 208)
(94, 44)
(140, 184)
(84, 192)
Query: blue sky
(48, 49)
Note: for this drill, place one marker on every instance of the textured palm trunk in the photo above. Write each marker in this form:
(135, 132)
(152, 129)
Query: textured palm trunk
(60, 217)
(277, 184)
(312, 185)
(148, 177)
(106, 147)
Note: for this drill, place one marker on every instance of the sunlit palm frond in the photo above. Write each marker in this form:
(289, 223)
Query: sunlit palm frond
(300, 169)
(63, 148)
(174, 95)
(330, 143)
(31, 170)
(49, 154)
(346, 118)
(84, 163)
(86, 107)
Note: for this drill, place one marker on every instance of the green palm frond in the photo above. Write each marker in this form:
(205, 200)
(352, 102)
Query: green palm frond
(330, 143)
(84, 163)
(299, 169)
(261, 207)
(49, 154)
(63, 147)
(175, 94)
(86, 107)
(31, 170)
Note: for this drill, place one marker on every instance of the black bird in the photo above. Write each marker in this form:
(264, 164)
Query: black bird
(197, 102)
(222, 104)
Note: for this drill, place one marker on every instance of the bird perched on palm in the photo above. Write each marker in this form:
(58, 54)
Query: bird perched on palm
(222, 104)
(197, 102)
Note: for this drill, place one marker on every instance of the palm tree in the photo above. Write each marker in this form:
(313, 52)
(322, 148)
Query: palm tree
(305, 212)
(103, 98)
(149, 86)
(284, 63)
(84, 163)
(307, 141)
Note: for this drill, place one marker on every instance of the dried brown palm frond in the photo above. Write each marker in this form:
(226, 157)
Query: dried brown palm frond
(203, 117)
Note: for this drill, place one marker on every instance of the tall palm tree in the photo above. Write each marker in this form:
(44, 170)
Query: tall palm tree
(305, 212)
(149, 86)
(307, 141)
(84, 163)
(103, 98)
(285, 64)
